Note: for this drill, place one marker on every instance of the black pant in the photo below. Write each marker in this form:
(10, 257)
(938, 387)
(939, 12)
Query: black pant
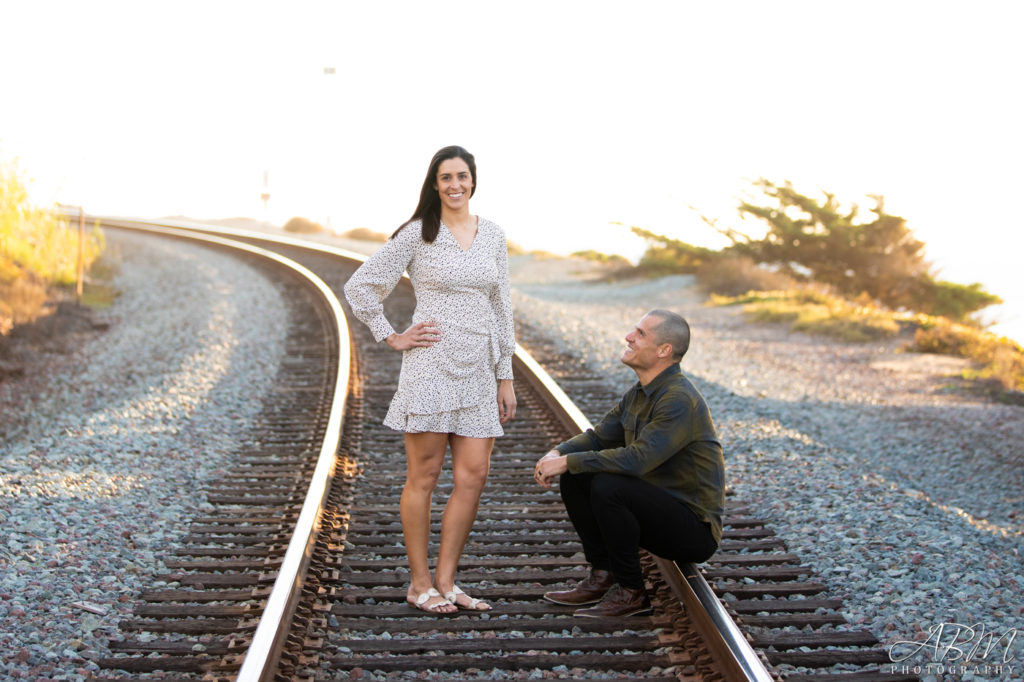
(615, 515)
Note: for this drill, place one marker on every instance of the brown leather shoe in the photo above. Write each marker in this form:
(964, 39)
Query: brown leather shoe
(589, 591)
(619, 602)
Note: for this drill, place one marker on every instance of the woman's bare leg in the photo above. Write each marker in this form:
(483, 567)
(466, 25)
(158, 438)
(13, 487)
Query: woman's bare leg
(424, 456)
(471, 461)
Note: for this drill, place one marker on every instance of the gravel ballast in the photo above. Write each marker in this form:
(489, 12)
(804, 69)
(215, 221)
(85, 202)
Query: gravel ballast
(904, 497)
(103, 452)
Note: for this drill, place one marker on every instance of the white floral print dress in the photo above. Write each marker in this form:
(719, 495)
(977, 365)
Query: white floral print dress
(450, 387)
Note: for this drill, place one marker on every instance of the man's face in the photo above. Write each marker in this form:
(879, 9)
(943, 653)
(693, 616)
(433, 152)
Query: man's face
(641, 346)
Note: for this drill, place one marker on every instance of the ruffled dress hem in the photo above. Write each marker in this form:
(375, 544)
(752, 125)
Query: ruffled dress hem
(477, 421)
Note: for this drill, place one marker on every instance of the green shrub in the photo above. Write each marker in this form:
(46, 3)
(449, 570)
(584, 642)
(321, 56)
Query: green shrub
(948, 299)
(820, 241)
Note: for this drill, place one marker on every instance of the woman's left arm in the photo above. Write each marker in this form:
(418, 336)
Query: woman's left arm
(501, 301)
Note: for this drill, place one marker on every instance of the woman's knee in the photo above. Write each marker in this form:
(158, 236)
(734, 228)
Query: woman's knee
(471, 461)
(422, 473)
(421, 483)
(471, 475)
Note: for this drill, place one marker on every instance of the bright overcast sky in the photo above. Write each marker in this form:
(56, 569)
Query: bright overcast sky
(580, 114)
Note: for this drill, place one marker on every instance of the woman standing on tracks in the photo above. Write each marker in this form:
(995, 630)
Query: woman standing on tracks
(455, 387)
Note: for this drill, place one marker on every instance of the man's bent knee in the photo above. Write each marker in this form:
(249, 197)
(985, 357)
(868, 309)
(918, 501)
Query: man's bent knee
(605, 487)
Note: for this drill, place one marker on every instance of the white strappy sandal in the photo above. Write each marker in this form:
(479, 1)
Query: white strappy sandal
(473, 602)
(424, 598)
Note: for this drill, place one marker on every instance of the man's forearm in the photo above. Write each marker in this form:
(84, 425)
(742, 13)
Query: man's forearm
(581, 442)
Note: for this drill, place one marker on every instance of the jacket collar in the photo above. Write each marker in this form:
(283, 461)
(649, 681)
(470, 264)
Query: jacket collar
(660, 380)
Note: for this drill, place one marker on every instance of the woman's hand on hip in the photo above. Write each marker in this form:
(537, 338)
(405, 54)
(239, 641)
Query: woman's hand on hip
(506, 400)
(420, 335)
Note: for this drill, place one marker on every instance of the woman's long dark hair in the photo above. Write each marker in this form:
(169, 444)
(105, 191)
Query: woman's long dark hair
(429, 208)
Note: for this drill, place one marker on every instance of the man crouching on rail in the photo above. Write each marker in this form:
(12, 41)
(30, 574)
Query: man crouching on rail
(650, 474)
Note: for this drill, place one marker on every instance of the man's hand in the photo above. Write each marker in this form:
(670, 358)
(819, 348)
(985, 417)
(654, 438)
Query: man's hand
(420, 335)
(550, 465)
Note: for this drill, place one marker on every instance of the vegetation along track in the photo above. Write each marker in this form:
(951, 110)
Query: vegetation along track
(348, 618)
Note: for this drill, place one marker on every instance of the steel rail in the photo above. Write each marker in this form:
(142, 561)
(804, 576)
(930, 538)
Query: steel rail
(730, 649)
(263, 653)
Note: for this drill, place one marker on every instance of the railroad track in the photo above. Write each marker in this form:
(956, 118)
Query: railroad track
(249, 597)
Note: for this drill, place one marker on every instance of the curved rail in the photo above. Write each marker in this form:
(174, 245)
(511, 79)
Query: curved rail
(729, 647)
(264, 650)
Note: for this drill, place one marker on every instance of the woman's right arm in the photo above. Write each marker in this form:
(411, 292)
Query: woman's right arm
(367, 288)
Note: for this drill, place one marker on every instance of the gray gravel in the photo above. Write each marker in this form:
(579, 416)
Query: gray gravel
(98, 450)
(905, 497)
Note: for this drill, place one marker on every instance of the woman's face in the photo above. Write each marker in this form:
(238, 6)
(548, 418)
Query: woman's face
(454, 183)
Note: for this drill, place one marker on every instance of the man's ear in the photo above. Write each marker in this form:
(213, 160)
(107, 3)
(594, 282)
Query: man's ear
(665, 350)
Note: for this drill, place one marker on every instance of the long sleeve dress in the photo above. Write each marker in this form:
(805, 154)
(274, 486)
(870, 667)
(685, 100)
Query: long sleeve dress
(450, 387)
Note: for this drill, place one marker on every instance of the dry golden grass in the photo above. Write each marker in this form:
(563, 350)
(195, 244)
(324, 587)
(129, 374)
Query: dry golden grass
(1001, 359)
(814, 312)
(365, 234)
(21, 301)
(39, 250)
(736, 275)
(300, 225)
(598, 257)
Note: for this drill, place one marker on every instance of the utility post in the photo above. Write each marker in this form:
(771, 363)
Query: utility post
(265, 196)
